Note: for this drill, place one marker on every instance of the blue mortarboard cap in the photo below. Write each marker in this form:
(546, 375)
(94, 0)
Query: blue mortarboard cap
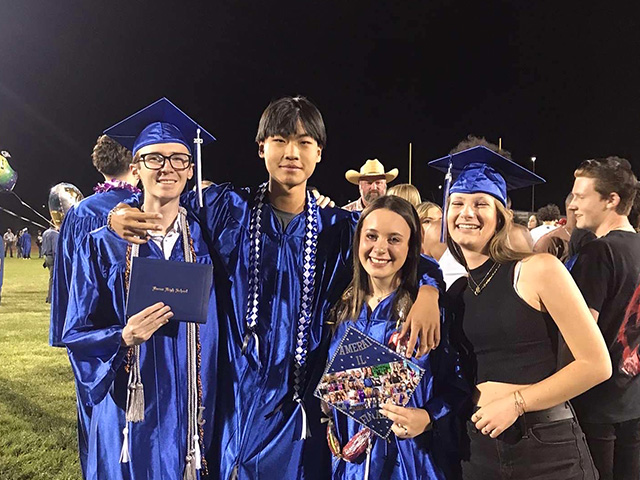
(162, 122)
(481, 170)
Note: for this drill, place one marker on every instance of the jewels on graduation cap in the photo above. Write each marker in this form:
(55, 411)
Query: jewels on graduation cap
(481, 170)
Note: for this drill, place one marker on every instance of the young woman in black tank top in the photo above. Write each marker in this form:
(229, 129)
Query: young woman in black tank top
(522, 426)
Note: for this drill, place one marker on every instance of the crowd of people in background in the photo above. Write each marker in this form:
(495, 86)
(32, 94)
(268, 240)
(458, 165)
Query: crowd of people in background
(20, 242)
(540, 322)
(597, 242)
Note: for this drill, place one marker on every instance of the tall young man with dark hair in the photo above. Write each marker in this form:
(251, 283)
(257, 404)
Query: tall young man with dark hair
(607, 271)
(280, 264)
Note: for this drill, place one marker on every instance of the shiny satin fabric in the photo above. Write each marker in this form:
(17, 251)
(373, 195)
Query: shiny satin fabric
(90, 214)
(92, 333)
(441, 391)
(257, 424)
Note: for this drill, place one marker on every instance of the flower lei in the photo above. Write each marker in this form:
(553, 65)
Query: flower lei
(114, 184)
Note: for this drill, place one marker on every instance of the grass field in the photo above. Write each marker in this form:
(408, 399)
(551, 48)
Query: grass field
(37, 399)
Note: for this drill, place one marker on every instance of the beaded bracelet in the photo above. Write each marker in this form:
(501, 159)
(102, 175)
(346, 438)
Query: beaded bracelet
(109, 226)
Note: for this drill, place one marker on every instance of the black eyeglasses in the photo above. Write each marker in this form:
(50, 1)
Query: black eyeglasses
(155, 161)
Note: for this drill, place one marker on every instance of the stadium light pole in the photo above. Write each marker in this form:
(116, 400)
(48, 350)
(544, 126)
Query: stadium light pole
(533, 187)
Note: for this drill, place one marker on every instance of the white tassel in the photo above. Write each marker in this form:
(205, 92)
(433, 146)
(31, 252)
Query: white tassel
(305, 427)
(197, 455)
(124, 453)
(198, 141)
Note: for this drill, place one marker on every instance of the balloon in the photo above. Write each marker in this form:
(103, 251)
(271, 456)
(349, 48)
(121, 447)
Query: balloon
(8, 176)
(62, 197)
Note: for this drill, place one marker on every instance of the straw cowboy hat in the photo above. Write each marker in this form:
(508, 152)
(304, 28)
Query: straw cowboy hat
(371, 168)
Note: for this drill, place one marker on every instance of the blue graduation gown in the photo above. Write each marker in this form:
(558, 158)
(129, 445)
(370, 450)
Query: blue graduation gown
(257, 424)
(93, 328)
(1, 266)
(442, 390)
(26, 245)
(90, 214)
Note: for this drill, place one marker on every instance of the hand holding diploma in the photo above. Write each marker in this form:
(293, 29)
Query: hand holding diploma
(143, 324)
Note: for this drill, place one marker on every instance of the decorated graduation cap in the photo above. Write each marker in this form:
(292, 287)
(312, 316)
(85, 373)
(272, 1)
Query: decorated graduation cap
(162, 122)
(481, 170)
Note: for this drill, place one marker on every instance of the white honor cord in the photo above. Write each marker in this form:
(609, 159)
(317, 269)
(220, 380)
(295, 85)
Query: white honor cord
(193, 456)
(368, 460)
(134, 412)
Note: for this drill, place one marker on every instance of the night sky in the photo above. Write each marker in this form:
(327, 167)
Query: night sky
(555, 80)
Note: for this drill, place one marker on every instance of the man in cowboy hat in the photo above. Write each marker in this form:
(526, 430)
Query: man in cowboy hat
(372, 182)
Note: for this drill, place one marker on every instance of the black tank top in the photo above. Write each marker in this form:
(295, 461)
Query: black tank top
(511, 342)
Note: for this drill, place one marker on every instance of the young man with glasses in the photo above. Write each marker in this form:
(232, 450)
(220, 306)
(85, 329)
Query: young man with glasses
(141, 376)
(281, 263)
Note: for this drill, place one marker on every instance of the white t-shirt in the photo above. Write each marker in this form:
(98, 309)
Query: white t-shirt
(451, 269)
(541, 230)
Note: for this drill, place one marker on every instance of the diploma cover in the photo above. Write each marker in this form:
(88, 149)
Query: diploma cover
(184, 286)
(362, 375)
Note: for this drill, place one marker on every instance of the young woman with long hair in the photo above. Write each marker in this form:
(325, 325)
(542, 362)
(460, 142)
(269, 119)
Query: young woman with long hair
(386, 250)
(512, 306)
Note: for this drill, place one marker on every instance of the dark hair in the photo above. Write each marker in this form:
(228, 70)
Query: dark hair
(473, 141)
(109, 157)
(349, 305)
(611, 174)
(548, 213)
(281, 117)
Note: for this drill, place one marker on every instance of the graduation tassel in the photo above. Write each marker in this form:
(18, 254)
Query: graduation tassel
(135, 393)
(306, 432)
(190, 469)
(197, 454)
(445, 201)
(198, 141)
(135, 389)
(124, 453)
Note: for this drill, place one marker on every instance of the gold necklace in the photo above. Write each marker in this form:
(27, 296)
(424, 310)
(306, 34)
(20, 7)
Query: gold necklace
(379, 298)
(477, 288)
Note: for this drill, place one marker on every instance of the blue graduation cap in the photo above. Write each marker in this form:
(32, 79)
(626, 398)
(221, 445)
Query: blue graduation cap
(481, 170)
(162, 122)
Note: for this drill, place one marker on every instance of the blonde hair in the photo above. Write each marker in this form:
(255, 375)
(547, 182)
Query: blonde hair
(406, 191)
(423, 209)
(500, 250)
